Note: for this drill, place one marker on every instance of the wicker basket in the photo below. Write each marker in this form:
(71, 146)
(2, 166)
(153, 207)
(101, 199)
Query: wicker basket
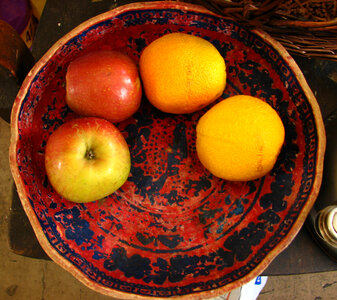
(307, 28)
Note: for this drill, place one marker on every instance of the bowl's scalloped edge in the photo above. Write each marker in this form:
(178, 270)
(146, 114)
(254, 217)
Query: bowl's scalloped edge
(56, 257)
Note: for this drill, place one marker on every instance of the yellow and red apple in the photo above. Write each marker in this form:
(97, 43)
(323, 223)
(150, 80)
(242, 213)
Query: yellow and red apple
(104, 83)
(87, 159)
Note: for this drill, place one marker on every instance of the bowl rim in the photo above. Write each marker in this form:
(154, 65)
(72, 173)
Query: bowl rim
(67, 265)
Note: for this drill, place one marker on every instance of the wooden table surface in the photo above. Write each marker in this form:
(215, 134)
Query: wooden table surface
(303, 255)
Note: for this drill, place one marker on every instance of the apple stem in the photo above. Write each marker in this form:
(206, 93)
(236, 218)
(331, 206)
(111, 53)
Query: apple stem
(89, 154)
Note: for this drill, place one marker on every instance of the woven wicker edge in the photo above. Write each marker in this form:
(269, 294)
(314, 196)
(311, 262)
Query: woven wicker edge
(301, 36)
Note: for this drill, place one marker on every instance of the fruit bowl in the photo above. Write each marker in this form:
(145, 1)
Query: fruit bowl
(172, 229)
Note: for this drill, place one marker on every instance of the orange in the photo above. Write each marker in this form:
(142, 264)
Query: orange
(239, 138)
(182, 73)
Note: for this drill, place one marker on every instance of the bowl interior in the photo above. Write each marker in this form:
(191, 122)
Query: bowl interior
(173, 228)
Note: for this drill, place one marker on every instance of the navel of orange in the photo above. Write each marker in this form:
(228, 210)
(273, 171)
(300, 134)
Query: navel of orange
(239, 138)
(182, 73)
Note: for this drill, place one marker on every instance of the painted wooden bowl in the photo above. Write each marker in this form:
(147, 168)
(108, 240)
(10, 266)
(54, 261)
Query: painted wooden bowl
(173, 229)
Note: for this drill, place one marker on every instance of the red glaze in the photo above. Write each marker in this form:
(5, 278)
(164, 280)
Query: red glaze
(173, 229)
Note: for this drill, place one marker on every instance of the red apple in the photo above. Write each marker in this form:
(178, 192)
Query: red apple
(87, 159)
(104, 84)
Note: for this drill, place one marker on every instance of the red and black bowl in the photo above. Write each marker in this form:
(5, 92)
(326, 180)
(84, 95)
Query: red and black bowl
(172, 229)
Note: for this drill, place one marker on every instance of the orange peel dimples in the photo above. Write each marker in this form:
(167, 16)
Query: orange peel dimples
(182, 73)
(240, 138)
